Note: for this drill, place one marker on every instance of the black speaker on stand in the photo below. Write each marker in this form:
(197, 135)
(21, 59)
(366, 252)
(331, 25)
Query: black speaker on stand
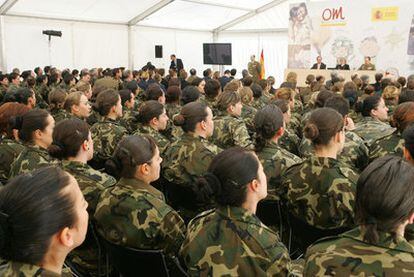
(158, 51)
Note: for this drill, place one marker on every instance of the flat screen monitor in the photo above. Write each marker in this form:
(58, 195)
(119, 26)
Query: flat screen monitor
(217, 53)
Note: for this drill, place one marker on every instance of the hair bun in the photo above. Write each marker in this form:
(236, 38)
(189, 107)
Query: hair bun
(17, 122)
(213, 181)
(311, 131)
(179, 120)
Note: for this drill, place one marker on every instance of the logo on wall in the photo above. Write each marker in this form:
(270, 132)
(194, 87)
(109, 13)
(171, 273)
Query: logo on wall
(384, 14)
(333, 17)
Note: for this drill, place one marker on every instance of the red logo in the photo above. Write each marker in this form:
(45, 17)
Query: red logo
(333, 14)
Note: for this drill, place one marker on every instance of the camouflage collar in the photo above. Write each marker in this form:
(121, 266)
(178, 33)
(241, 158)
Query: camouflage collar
(37, 148)
(140, 185)
(145, 129)
(239, 214)
(74, 165)
(386, 240)
(27, 270)
(323, 161)
(370, 119)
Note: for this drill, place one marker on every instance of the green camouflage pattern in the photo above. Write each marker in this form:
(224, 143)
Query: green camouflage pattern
(356, 117)
(349, 255)
(172, 109)
(108, 82)
(259, 103)
(161, 140)
(247, 114)
(321, 192)
(290, 141)
(129, 120)
(230, 131)
(391, 144)
(371, 130)
(231, 241)
(59, 115)
(188, 158)
(354, 154)
(94, 117)
(135, 214)
(106, 135)
(12, 88)
(275, 161)
(15, 269)
(211, 103)
(9, 151)
(31, 158)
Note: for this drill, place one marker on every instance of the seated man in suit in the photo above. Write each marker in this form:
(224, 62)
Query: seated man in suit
(341, 64)
(319, 64)
(176, 64)
(367, 65)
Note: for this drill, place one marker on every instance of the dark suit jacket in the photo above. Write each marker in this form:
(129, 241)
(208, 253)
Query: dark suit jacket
(342, 67)
(177, 67)
(315, 66)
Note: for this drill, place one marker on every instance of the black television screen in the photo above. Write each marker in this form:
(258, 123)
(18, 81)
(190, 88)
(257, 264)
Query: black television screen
(217, 53)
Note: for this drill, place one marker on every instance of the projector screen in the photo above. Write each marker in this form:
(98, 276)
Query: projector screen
(217, 53)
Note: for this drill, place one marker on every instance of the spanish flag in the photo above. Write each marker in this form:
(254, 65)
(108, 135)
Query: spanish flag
(262, 67)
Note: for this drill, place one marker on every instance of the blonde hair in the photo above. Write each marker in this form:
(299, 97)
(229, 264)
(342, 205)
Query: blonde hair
(292, 77)
(390, 93)
(246, 95)
(285, 93)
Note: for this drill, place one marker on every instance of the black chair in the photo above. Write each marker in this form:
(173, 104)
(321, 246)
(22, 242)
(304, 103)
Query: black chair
(134, 262)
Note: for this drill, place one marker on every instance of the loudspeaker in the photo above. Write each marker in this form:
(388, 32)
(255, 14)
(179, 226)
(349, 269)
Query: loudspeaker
(158, 51)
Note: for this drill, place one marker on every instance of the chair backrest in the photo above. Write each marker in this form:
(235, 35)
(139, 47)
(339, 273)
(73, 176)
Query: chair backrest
(134, 262)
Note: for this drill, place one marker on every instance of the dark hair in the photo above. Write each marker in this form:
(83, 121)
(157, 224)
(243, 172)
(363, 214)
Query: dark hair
(57, 98)
(233, 72)
(22, 95)
(67, 78)
(267, 123)
(68, 136)
(385, 196)
(125, 95)
(189, 94)
(149, 110)
(227, 177)
(207, 72)
(322, 97)
(105, 101)
(7, 112)
(193, 72)
(257, 90)
(174, 82)
(369, 89)
(378, 77)
(408, 136)
(13, 76)
(32, 210)
(191, 114)
(370, 103)
(402, 81)
(131, 152)
(351, 96)
(403, 116)
(339, 104)
(28, 123)
(322, 125)
(247, 81)
(406, 96)
(173, 94)
(226, 99)
(212, 88)
(282, 104)
(196, 81)
(153, 92)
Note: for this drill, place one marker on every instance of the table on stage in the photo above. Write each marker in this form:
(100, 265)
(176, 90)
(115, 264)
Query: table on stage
(302, 73)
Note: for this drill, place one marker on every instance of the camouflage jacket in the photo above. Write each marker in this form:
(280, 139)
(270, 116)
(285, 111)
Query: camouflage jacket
(290, 141)
(211, 103)
(135, 214)
(106, 135)
(60, 115)
(188, 158)
(356, 117)
(160, 139)
(321, 192)
(14, 269)
(275, 161)
(9, 151)
(91, 181)
(172, 110)
(370, 130)
(31, 158)
(259, 103)
(129, 120)
(354, 154)
(248, 113)
(94, 117)
(349, 255)
(231, 241)
(391, 144)
(230, 131)
(108, 82)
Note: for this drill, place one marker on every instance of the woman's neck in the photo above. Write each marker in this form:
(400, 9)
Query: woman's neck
(54, 262)
(112, 116)
(79, 158)
(326, 152)
(251, 206)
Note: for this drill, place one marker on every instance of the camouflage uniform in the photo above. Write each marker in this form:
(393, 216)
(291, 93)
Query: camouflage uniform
(370, 130)
(106, 134)
(230, 131)
(108, 82)
(354, 154)
(258, 103)
(231, 241)
(129, 120)
(391, 144)
(356, 117)
(135, 214)
(162, 141)
(59, 115)
(14, 269)
(321, 191)
(31, 158)
(188, 158)
(92, 183)
(9, 151)
(349, 255)
(94, 117)
(212, 104)
(12, 88)
(290, 141)
(247, 115)
(275, 161)
(172, 110)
